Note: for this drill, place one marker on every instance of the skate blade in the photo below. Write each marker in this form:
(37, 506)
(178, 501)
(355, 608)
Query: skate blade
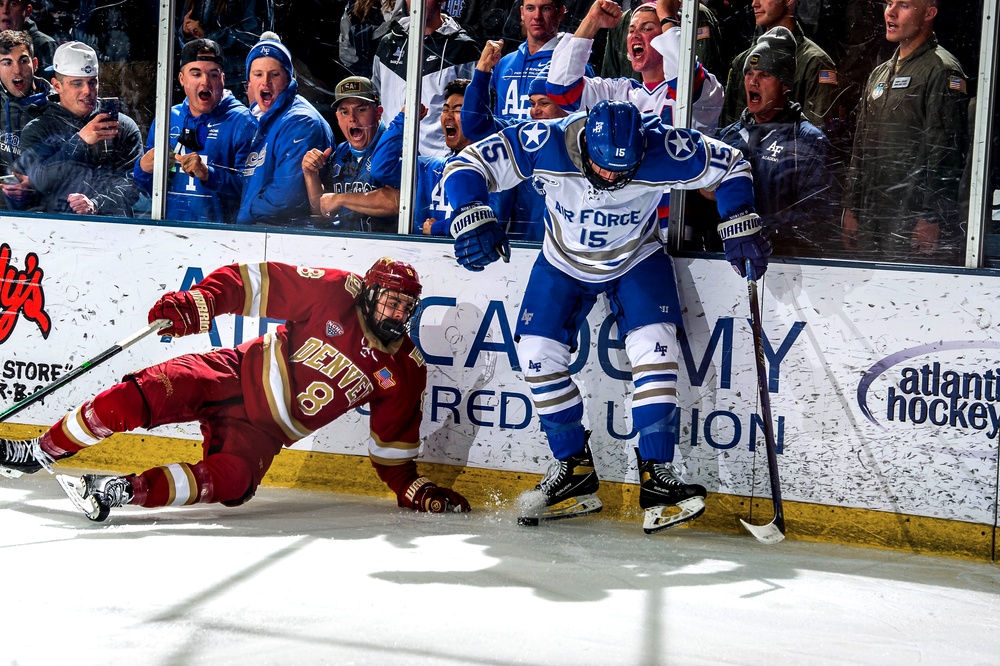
(574, 507)
(656, 521)
(768, 534)
(73, 487)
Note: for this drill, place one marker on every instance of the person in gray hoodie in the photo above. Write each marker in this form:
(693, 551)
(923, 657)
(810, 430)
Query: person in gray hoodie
(23, 97)
(78, 155)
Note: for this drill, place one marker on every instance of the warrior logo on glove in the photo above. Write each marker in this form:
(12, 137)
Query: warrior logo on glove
(188, 311)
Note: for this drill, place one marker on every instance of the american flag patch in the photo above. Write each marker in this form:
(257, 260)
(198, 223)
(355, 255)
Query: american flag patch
(956, 83)
(704, 32)
(828, 76)
(384, 378)
(333, 329)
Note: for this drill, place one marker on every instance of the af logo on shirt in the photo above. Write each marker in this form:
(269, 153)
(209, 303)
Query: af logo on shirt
(775, 151)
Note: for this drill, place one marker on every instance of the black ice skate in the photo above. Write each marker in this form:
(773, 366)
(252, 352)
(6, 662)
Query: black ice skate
(668, 501)
(96, 495)
(23, 456)
(568, 490)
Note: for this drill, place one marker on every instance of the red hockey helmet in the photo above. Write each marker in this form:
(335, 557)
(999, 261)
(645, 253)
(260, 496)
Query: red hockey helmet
(391, 274)
(381, 314)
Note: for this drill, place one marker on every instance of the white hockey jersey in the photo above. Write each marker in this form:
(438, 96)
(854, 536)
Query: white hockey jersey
(591, 234)
(568, 86)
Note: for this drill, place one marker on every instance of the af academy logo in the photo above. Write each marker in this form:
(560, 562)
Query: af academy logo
(931, 393)
(775, 152)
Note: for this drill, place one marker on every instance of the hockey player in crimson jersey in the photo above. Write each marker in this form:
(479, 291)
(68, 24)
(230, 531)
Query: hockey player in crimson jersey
(603, 173)
(344, 344)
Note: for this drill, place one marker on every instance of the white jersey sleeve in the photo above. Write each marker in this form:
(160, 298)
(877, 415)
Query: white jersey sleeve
(568, 86)
(594, 234)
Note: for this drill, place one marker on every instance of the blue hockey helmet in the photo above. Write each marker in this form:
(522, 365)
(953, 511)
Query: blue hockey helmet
(615, 141)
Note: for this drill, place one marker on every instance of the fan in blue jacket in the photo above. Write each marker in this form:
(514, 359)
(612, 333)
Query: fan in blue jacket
(795, 191)
(210, 137)
(274, 190)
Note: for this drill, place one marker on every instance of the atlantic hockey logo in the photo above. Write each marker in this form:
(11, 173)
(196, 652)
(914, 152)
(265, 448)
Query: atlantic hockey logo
(333, 329)
(254, 160)
(934, 394)
(533, 136)
(21, 292)
(384, 377)
(678, 144)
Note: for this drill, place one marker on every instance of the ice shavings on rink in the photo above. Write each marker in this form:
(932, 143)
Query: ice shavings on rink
(316, 578)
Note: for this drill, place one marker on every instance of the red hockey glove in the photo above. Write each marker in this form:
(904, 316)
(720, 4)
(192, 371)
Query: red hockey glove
(423, 495)
(188, 311)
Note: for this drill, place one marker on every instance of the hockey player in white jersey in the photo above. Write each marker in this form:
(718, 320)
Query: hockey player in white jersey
(603, 174)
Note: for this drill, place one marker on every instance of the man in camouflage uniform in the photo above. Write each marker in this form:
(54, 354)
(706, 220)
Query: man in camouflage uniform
(816, 86)
(901, 200)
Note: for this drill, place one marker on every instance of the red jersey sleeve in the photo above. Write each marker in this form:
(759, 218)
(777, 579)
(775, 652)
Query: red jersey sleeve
(397, 409)
(275, 290)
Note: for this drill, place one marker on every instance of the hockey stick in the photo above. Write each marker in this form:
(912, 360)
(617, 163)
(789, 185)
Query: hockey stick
(86, 366)
(774, 531)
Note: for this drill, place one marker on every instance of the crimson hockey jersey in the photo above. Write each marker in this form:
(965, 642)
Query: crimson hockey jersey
(322, 361)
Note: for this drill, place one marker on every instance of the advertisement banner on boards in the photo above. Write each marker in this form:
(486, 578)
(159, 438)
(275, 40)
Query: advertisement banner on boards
(884, 384)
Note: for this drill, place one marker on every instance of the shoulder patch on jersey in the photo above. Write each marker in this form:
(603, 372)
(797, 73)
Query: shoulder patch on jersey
(384, 377)
(828, 77)
(333, 329)
(533, 136)
(678, 144)
(307, 272)
(353, 285)
(417, 357)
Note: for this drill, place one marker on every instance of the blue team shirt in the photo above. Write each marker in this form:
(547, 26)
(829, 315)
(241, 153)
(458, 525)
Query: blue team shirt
(350, 171)
(225, 134)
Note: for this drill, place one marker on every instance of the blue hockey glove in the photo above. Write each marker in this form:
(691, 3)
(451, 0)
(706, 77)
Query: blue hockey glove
(744, 239)
(479, 238)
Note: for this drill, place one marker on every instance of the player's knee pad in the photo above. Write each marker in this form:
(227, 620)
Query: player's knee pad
(545, 363)
(653, 352)
(555, 395)
(176, 484)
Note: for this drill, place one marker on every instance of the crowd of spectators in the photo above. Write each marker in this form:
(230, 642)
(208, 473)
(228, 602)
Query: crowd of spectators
(853, 113)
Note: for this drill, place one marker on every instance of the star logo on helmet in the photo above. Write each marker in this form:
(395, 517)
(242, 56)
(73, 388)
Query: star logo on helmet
(679, 145)
(534, 136)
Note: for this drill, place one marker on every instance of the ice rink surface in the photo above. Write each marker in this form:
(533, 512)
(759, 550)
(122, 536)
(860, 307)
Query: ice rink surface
(296, 577)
